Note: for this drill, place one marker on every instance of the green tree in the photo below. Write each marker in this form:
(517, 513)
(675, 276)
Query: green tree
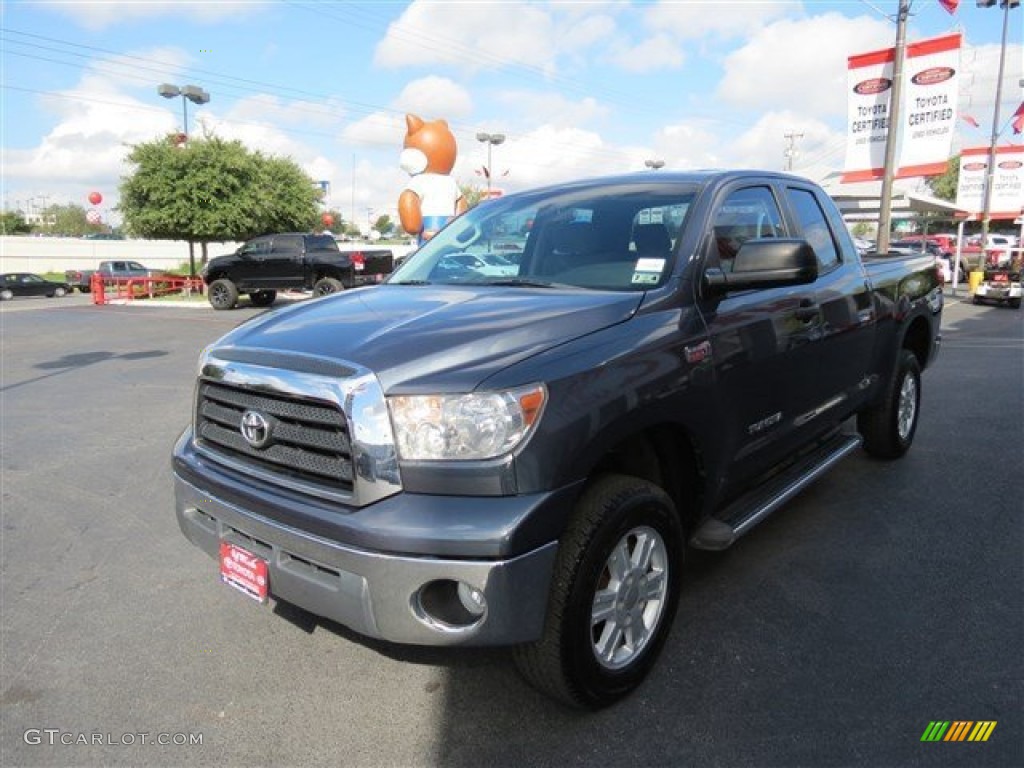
(473, 194)
(211, 190)
(68, 220)
(944, 186)
(383, 224)
(13, 223)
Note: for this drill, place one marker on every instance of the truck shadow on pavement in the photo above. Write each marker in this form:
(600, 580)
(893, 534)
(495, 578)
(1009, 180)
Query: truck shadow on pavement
(68, 363)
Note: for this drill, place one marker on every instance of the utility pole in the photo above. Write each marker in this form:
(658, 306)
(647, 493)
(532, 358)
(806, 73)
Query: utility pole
(892, 138)
(791, 152)
(990, 172)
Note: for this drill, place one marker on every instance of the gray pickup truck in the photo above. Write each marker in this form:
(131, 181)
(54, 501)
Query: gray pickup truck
(459, 457)
(82, 278)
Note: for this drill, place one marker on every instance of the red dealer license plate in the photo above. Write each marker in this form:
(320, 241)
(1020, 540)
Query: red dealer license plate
(244, 571)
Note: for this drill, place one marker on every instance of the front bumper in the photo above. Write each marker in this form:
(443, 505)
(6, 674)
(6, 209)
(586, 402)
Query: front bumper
(374, 592)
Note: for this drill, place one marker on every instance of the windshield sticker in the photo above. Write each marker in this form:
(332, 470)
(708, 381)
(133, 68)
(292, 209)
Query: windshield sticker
(650, 265)
(645, 278)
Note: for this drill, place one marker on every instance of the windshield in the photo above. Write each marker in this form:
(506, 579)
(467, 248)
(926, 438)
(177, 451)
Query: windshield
(609, 237)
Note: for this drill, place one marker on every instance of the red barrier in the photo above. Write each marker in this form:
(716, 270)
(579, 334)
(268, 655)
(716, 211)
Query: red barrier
(134, 288)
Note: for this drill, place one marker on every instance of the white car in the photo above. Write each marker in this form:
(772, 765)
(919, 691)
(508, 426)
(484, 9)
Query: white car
(487, 264)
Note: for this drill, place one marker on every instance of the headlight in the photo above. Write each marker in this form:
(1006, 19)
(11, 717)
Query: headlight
(480, 425)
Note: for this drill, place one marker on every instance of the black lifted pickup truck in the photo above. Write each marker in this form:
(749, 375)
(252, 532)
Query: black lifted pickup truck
(264, 265)
(523, 459)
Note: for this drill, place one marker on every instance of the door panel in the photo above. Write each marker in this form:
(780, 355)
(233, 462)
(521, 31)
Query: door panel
(763, 344)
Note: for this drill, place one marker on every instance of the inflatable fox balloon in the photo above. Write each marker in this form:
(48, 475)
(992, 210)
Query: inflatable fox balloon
(432, 197)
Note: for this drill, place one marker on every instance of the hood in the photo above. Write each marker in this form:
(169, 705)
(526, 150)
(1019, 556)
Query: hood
(435, 338)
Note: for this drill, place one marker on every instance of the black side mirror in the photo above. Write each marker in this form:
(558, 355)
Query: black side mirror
(769, 263)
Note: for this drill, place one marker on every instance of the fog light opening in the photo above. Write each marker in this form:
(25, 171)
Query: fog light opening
(450, 604)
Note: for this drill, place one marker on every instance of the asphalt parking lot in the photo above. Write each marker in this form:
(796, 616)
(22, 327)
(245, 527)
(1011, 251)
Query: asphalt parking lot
(887, 596)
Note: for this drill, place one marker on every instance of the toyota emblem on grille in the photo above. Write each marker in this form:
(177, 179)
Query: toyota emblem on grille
(256, 429)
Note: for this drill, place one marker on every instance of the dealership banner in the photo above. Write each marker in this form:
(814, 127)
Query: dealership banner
(1008, 182)
(870, 80)
(927, 118)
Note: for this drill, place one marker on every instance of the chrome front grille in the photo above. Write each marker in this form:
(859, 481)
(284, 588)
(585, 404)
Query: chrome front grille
(310, 442)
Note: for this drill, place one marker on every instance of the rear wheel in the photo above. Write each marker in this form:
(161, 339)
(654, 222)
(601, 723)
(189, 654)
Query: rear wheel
(262, 298)
(888, 428)
(6, 294)
(325, 286)
(1014, 303)
(613, 596)
(59, 292)
(222, 294)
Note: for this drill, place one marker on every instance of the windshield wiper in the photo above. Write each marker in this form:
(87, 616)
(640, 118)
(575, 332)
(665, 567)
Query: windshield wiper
(525, 282)
(410, 282)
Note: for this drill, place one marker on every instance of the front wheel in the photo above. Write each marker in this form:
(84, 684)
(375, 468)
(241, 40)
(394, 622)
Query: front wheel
(60, 292)
(222, 294)
(325, 286)
(614, 594)
(888, 428)
(262, 298)
(6, 294)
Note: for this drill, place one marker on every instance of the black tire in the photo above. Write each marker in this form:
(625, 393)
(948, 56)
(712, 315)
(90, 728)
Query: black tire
(222, 294)
(262, 298)
(615, 512)
(325, 286)
(6, 294)
(60, 292)
(1014, 303)
(888, 428)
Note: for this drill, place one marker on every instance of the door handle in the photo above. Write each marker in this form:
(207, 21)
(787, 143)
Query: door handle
(808, 310)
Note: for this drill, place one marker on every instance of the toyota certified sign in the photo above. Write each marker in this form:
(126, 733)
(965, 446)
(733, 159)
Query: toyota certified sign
(933, 76)
(873, 86)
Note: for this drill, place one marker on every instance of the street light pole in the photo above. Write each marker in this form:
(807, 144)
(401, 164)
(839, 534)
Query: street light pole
(491, 140)
(196, 95)
(188, 93)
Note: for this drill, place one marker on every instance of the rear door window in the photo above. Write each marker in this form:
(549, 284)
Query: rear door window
(815, 226)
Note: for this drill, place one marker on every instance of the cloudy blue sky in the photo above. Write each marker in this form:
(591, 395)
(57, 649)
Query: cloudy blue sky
(579, 88)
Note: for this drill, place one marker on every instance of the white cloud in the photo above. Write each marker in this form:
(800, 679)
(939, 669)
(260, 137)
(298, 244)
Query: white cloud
(693, 144)
(538, 108)
(546, 155)
(478, 36)
(432, 97)
(800, 65)
(490, 35)
(103, 13)
(764, 144)
(380, 129)
(657, 52)
(721, 19)
(268, 108)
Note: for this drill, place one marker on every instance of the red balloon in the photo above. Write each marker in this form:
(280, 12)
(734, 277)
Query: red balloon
(95, 198)
(327, 219)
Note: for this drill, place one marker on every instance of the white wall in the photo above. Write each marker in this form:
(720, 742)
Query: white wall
(56, 254)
